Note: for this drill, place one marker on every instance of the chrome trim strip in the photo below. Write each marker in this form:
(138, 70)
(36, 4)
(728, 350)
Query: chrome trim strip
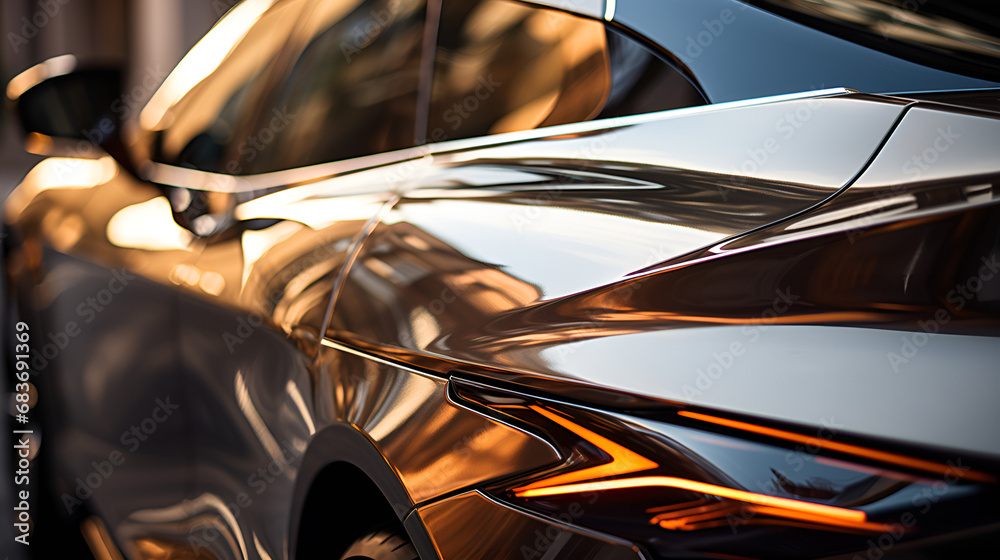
(329, 343)
(618, 122)
(175, 176)
(204, 180)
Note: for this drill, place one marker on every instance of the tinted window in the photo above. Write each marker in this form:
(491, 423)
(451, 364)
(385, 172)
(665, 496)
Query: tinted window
(351, 92)
(961, 36)
(502, 67)
(641, 82)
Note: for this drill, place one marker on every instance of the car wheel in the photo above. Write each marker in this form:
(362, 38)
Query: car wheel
(386, 543)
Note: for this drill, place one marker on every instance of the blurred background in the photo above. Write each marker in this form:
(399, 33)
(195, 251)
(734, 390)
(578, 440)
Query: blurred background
(145, 37)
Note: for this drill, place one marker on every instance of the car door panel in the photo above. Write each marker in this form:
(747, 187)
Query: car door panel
(101, 303)
(495, 231)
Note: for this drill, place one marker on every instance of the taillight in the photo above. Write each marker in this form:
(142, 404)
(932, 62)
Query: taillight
(685, 482)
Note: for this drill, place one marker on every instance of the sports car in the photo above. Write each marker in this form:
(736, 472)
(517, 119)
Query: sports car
(540, 280)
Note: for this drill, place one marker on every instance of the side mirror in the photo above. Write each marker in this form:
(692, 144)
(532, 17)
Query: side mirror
(58, 100)
(61, 102)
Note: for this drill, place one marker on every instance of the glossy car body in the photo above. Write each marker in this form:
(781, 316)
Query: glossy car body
(760, 327)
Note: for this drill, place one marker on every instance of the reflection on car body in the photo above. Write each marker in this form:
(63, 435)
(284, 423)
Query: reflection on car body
(497, 279)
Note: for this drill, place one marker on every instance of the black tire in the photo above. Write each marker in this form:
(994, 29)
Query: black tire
(386, 543)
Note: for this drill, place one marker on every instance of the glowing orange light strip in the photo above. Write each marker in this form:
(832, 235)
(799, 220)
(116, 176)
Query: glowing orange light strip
(675, 507)
(688, 522)
(702, 487)
(884, 456)
(692, 515)
(803, 516)
(623, 460)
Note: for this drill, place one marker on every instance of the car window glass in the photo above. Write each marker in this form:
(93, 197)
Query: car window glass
(352, 90)
(641, 82)
(215, 100)
(501, 66)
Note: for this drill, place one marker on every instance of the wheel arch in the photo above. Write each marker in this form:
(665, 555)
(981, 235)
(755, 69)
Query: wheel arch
(344, 476)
